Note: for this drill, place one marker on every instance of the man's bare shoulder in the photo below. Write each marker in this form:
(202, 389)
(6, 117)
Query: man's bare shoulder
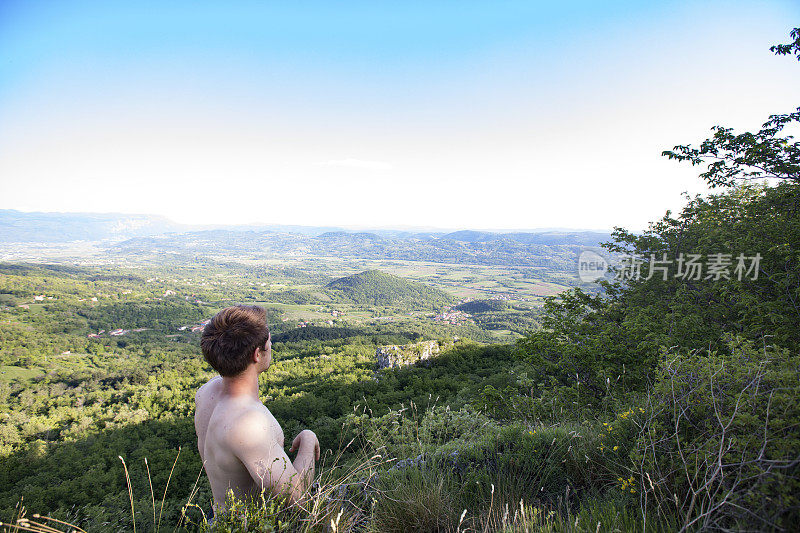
(251, 425)
(210, 388)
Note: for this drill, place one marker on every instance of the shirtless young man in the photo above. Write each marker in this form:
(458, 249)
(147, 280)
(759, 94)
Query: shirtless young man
(240, 442)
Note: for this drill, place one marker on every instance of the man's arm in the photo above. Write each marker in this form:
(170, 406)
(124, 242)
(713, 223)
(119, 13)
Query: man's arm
(307, 447)
(253, 442)
(203, 407)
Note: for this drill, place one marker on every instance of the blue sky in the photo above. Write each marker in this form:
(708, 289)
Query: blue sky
(447, 114)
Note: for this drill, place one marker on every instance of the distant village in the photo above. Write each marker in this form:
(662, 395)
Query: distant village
(456, 317)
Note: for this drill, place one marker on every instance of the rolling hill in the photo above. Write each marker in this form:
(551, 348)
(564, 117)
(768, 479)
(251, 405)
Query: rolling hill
(376, 288)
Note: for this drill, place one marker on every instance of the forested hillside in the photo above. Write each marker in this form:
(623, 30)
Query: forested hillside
(376, 288)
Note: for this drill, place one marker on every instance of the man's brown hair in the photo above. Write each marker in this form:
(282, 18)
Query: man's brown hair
(231, 337)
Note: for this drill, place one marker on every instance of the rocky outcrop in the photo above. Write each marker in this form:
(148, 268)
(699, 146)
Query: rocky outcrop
(394, 356)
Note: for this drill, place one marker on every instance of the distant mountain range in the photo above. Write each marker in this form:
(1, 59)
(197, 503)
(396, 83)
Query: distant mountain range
(18, 226)
(32, 227)
(145, 235)
(500, 249)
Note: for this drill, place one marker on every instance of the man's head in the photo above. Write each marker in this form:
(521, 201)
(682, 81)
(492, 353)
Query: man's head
(235, 338)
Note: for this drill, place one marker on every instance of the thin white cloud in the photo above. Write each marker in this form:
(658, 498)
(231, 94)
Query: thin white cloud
(356, 163)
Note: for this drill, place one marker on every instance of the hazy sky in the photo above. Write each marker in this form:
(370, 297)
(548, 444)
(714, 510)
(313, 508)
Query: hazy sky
(450, 114)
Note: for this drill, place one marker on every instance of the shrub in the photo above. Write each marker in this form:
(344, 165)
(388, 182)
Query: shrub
(722, 444)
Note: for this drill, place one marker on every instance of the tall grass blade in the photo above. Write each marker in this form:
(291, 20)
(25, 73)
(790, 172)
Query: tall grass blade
(152, 495)
(130, 491)
(158, 525)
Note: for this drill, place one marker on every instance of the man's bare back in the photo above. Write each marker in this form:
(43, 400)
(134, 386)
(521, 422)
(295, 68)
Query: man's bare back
(218, 419)
(240, 442)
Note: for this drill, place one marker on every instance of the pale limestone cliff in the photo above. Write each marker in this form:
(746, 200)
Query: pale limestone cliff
(394, 356)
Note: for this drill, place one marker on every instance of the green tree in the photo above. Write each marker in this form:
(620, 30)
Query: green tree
(732, 158)
(599, 339)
